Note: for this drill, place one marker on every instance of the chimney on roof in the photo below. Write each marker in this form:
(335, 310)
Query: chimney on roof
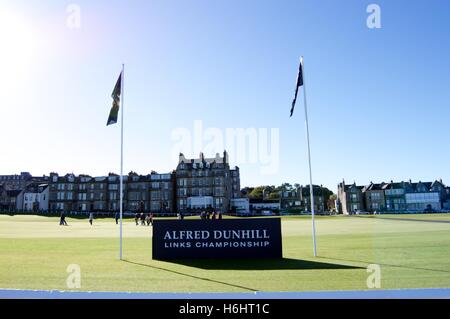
(181, 158)
(225, 157)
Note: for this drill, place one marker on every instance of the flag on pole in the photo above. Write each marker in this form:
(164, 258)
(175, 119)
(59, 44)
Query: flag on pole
(299, 84)
(116, 95)
(117, 105)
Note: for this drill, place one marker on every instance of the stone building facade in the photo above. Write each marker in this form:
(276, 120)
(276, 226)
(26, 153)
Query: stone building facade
(350, 198)
(196, 184)
(203, 183)
(298, 198)
(145, 193)
(392, 197)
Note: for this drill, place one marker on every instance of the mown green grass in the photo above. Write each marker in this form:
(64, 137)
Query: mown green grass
(35, 252)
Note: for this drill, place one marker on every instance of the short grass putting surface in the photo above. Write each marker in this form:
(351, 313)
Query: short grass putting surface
(412, 251)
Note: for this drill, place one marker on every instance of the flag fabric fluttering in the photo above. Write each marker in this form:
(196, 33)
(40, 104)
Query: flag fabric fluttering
(116, 95)
(299, 84)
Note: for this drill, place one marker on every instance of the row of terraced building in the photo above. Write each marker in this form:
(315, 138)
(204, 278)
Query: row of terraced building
(393, 197)
(196, 184)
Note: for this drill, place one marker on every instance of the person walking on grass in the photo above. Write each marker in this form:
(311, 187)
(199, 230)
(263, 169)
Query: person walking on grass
(136, 219)
(142, 219)
(117, 218)
(91, 218)
(62, 221)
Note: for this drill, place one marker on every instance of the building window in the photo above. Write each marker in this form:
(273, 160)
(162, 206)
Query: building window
(155, 185)
(375, 196)
(155, 206)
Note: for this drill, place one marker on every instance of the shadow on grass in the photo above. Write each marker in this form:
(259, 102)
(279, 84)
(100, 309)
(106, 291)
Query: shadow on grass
(192, 276)
(243, 264)
(388, 265)
(259, 264)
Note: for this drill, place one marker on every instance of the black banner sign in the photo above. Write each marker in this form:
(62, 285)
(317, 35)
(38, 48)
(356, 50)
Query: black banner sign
(225, 238)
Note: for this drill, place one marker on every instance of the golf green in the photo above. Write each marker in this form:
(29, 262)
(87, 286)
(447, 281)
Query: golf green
(412, 251)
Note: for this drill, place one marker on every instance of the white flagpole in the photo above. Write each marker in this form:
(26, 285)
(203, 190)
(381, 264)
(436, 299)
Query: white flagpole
(309, 160)
(121, 155)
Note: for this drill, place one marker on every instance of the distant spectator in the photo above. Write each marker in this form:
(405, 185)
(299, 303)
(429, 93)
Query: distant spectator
(142, 219)
(220, 215)
(62, 221)
(117, 218)
(136, 219)
(91, 218)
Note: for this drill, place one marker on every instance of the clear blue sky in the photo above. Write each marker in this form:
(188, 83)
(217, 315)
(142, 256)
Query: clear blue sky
(379, 99)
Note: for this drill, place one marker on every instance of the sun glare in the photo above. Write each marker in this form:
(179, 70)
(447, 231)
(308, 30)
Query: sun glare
(16, 50)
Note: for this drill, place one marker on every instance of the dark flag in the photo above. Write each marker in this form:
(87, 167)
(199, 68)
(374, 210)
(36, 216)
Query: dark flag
(299, 84)
(116, 94)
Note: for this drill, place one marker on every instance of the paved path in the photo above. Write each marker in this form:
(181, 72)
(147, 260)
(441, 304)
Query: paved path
(409, 219)
(429, 293)
(417, 220)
